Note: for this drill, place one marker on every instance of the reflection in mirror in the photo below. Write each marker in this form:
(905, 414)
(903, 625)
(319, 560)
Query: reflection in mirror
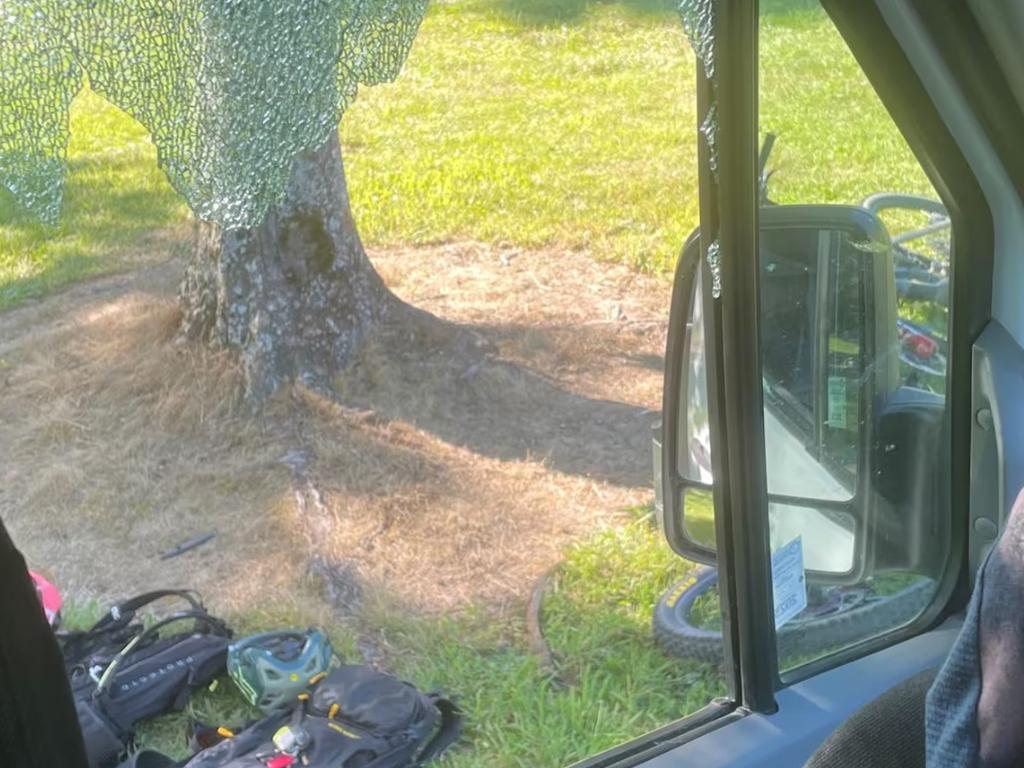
(816, 369)
(827, 535)
(922, 240)
(698, 507)
(815, 354)
(814, 365)
(695, 430)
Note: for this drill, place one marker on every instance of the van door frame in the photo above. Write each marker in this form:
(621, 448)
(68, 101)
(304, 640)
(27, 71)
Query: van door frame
(825, 692)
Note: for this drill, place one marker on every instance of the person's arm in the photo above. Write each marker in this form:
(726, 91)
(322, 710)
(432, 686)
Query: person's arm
(38, 724)
(975, 710)
(1001, 705)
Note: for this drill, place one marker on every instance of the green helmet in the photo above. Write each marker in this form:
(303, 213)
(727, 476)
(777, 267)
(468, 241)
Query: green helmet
(272, 669)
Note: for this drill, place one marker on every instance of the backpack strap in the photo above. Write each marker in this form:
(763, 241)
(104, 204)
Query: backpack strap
(106, 679)
(452, 720)
(116, 624)
(122, 613)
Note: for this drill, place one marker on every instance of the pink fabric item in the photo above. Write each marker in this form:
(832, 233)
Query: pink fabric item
(49, 596)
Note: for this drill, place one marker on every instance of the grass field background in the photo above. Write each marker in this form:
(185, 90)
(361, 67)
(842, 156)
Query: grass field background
(567, 125)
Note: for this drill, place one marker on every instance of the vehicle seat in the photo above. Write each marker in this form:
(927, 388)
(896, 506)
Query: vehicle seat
(886, 733)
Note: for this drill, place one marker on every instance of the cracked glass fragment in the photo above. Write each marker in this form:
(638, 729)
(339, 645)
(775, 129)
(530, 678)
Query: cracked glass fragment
(714, 260)
(38, 80)
(231, 90)
(709, 130)
(699, 22)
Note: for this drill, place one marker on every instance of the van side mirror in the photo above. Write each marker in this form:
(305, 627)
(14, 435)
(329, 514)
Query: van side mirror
(830, 363)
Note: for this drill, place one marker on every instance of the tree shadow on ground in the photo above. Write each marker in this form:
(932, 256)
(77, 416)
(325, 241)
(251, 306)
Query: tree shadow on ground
(112, 434)
(652, 362)
(503, 408)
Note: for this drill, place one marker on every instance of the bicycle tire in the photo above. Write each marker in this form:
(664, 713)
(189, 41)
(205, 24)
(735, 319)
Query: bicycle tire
(678, 636)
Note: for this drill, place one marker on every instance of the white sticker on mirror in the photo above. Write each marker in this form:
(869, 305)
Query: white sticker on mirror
(789, 584)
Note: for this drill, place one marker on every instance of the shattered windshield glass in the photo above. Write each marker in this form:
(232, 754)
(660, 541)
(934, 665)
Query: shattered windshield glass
(231, 90)
(699, 22)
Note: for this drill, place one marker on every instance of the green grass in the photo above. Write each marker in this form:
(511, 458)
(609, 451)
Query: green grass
(116, 197)
(597, 620)
(580, 128)
(699, 516)
(836, 142)
(531, 123)
(612, 682)
(534, 126)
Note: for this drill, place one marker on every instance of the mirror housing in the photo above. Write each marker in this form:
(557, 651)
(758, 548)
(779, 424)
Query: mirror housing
(834, 405)
(668, 482)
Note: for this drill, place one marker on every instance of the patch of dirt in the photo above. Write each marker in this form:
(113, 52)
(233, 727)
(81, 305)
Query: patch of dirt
(438, 484)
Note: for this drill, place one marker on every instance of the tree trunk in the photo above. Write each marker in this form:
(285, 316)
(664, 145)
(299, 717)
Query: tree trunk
(297, 295)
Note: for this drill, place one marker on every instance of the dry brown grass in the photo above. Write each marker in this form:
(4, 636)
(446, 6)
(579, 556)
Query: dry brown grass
(116, 443)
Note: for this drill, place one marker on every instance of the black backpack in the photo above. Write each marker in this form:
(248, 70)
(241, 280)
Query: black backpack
(123, 672)
(355, 717)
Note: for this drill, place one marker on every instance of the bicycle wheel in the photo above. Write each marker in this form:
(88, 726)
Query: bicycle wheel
(845, 615)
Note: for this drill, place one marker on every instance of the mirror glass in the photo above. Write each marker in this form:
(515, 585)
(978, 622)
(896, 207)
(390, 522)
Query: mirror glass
(816, 374)
(818, 369)
(814, 368)
(699, 516)
(695, 430)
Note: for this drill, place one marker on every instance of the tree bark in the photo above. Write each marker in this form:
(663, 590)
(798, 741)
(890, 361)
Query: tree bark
(296, 296)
